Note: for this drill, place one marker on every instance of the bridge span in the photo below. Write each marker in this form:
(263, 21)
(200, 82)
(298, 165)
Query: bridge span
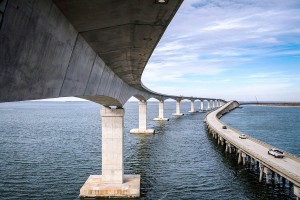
(96, 50)
(253, 150)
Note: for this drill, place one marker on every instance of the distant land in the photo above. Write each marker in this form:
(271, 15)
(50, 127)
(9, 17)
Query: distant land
(270, 103)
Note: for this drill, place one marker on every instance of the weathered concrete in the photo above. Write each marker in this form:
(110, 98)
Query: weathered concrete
(112, 182)
(208, 104)
(142, 120)
(94, 187)
(192, 107)
(161, 112)
(201, 106)
(74, 48)
(112, 145)
(178, 113)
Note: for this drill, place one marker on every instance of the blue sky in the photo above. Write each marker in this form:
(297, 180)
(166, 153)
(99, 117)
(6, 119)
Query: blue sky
(231, 49)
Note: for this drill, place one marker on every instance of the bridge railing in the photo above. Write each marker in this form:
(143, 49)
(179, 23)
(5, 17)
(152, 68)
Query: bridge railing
(250, 151)
(289, 155)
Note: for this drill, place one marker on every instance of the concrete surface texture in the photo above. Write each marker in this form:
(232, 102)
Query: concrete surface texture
(142, 120)
(96, 50)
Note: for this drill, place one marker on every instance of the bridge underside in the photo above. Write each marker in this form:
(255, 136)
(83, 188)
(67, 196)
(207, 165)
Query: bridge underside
(92, 49)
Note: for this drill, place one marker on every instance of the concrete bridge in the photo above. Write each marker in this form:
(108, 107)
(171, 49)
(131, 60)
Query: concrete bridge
(254, 150)
(95, 50)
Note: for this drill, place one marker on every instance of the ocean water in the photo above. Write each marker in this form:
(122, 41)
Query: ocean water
(48, 150)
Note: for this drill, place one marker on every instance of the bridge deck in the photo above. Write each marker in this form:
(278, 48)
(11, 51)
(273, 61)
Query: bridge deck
(288, 167)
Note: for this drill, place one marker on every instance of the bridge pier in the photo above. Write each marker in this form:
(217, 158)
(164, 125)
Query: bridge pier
(278, 178)
(192, 107)
(297, 192)
(202, 105)
(261, 171)
(208, 104)
(229, 147)
(244, 158)
(267, 171)
(112, 182)
(226, 147)
(239, 157)
(161, 112)
(178, 113)
(253, 162)
(143, 120)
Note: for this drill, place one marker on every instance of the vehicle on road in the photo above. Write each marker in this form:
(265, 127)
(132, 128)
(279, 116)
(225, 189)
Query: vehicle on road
(276, 153)
(243, 136)
(224, 127)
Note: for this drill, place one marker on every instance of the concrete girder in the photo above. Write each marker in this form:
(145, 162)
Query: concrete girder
(96, 50)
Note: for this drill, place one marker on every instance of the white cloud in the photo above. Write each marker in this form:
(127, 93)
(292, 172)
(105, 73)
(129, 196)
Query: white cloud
(215, 39)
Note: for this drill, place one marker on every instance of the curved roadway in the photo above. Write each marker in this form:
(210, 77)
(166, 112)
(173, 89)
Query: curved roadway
(96, 49)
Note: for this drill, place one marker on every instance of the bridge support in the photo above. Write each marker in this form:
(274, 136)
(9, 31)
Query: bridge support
(278, 179)
(112, 182)
(208, 104)
(253, 161)
(202, 106)
(192, 107)
(142, 120)
(261, 171)
(161, 112)
(217, 103)
(228, 147)
(267, 171)
(240, 157)
(178, 113)
(244, 158)
(297, 192)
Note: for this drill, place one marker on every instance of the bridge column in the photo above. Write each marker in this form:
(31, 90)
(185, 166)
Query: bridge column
(161, 112)
(142, 120)
(201, 105)
(261, 170)
(192, 106)
(178, 113)
(240, 157)
(277, 178)
(112, 182)
(253, 161)
(212, 104)
(297, 192)
(244, 158)
(229, 147)
(267, 171)
(208, 104)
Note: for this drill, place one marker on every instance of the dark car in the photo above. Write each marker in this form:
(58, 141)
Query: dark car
(224, 127)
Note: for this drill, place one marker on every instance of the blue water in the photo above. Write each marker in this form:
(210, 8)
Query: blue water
(48, 150)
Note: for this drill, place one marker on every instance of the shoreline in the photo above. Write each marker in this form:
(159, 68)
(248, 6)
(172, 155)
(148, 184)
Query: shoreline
(273, 104)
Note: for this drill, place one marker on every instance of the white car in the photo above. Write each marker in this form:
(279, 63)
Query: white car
(243, 136)
(276, 153)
